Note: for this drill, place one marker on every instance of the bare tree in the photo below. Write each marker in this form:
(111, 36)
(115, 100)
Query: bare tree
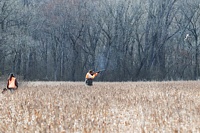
(192, 17)
(160, 17)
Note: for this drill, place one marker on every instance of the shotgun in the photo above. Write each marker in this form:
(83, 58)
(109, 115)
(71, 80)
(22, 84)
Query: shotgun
(100, 71)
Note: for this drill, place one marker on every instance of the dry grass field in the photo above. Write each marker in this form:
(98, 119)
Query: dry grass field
(117, 107)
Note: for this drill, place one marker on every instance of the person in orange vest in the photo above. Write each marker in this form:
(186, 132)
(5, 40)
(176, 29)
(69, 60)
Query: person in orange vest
(89, 77)
(12, 83)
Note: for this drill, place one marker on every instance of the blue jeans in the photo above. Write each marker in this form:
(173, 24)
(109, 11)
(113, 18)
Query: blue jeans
(89, 82)
(12, 89)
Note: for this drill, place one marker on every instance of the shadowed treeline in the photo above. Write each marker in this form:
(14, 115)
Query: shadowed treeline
(133, 40)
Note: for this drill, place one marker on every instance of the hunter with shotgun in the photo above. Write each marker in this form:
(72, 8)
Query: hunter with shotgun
(90, 77)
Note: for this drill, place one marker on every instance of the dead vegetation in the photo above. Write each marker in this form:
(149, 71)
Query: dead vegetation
(126, 107)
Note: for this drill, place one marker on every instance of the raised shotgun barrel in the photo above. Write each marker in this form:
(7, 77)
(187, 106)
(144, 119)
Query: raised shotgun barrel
(101, 70)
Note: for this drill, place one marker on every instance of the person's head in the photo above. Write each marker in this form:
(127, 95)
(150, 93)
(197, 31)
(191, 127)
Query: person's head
(11, 75)
(91, 71)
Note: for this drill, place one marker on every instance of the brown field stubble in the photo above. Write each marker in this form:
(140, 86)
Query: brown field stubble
(118, 107)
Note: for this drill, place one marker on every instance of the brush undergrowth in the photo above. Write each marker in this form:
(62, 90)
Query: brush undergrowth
(118, 107)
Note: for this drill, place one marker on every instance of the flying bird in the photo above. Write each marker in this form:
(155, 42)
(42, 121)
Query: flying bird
(186, 37)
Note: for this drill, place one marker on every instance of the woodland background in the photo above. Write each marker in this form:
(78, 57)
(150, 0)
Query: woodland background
(131, 39)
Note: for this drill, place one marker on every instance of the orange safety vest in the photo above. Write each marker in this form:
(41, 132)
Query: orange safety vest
(11, 83)
(89, 76)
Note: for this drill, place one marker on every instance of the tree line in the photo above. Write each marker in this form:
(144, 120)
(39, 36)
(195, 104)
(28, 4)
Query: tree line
(131, 39)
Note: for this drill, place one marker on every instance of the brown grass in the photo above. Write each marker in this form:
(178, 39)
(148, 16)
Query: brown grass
(126, 107)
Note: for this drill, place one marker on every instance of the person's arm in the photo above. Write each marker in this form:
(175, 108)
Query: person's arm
(95, 74)
(92, 76)
(7, 83)
(16, 83)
